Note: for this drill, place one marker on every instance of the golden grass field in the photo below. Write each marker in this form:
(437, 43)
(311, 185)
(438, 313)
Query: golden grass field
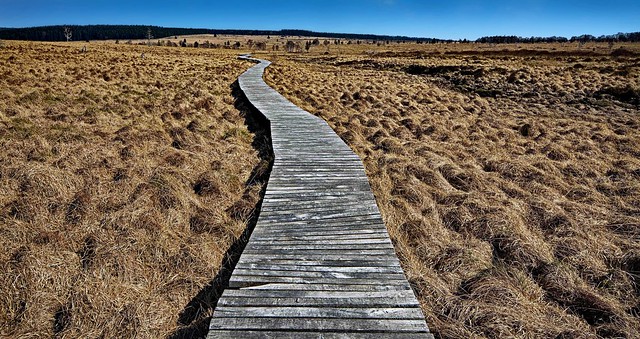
(122, 185)
(508, 177)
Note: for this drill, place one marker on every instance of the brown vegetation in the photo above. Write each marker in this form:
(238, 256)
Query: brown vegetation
(123, 182)
(509, 180)
(508, 177)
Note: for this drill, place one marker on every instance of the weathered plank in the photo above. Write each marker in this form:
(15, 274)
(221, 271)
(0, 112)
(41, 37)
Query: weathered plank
(337, 253)
(344, 240)
(319, 324)
(314, 335)
(327, 312)
(306, 268)
(319, 294)
(328, 257)
(319, 263)
(331, 274)
(326, 287)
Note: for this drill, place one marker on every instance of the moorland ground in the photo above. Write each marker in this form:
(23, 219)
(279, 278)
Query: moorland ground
(507, 176)
(123, 181)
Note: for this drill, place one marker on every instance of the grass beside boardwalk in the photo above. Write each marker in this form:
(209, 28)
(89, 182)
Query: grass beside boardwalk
(508, 176)
(122, 184)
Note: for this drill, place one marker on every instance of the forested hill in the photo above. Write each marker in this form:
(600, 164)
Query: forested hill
(121, 32)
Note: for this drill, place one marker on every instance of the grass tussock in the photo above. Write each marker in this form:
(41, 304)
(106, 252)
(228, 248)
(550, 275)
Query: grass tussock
(123, 182)
(509, 180)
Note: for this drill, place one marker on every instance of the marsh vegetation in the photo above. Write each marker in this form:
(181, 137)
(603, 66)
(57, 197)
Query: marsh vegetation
(508, 177)
(123, 182)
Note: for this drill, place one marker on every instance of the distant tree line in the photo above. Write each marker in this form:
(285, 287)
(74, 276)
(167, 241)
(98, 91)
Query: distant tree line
(134, 32)
(94, 32)
(512, 39)
(127, 32)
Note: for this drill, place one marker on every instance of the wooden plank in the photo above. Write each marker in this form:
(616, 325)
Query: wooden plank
(309, 195)
(314, 216)
(344, 219)
(328, 207)
(335, 239)
(352, 220)
(308, 255)
(317, 213)
(317, 170)
(301, 239)
(370, 220)
(311, 324)
(354, 231)
(327, 253)
(253, 247)
(363, 231)
(307, 269)
(241, 281)
(308, 232)
(329, 219)
(360, 231)
(296, 165)
(318, 194)
(310, 187)
(225, 334)
(310, 286)
(327, 312)
(318, 204)
(326, 244)
(318, 294)
(310, 183)
(246, 260)
(341, 302)
(339, 275)
(363, 223)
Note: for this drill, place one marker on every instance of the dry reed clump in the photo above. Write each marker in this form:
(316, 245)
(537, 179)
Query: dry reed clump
(123, 184)
(509, 182)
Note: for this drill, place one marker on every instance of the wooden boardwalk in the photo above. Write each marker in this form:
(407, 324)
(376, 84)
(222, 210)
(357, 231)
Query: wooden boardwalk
(319, 263)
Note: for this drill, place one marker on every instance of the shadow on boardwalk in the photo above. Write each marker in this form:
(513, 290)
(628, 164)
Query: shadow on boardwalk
(193, 320)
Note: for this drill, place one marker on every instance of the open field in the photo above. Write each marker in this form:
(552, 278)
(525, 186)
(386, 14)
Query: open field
(123, 182)
(508, 176)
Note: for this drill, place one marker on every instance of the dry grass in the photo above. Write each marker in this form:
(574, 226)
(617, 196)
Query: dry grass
(122, 185)
(509, 180)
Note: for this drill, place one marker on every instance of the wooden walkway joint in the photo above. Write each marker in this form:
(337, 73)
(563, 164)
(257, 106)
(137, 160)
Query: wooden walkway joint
(319, 263)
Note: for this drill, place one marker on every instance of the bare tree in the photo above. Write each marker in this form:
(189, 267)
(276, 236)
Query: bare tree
(149, 36)
(68, 33)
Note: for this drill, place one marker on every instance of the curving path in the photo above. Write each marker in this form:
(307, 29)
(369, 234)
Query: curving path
(319, 262)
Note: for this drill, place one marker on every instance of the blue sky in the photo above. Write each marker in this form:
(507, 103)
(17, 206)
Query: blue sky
(450, 19)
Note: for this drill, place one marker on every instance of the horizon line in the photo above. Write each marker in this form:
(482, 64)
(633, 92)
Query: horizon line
(320, 32)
